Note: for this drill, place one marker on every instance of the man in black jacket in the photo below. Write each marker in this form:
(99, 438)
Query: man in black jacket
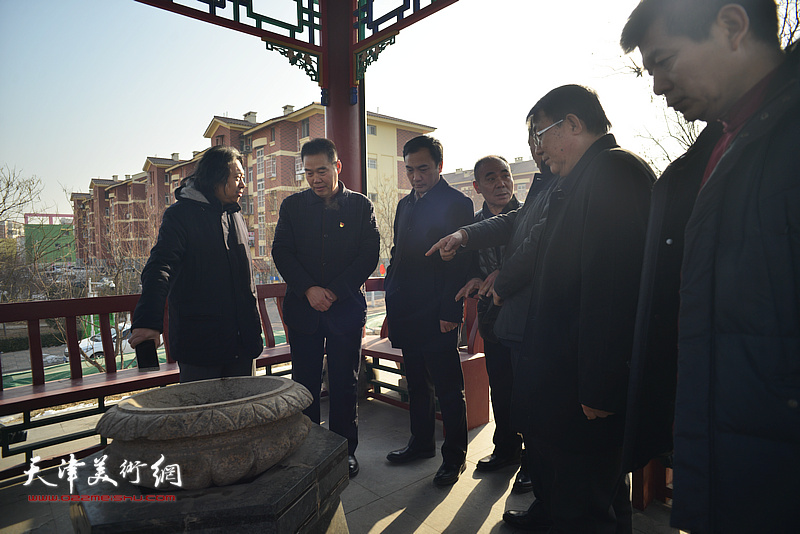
(326, 246)
(201, 262)
(494, 182)
(721, 278)
(579, 332)
(422, 312)
(517, 232)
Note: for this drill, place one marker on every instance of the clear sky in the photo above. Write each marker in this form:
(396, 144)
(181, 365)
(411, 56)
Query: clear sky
(91, 88)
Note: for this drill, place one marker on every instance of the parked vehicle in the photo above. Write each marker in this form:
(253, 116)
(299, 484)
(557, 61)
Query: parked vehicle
(93, 346)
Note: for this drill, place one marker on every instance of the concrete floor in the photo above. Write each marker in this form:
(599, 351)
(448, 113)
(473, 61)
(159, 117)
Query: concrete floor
(383, 498)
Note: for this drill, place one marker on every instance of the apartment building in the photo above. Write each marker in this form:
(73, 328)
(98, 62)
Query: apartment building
(274, 171)
(119, 214)
(114, 223)
(159, 183)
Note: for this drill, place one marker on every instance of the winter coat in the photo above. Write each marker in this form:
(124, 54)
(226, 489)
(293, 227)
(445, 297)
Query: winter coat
(201, 263)
(737, 419)
(520, 229)
(488, 259)
(333, 246)
(654, 365)
(578, 339)
(421, 290)
(485, 262)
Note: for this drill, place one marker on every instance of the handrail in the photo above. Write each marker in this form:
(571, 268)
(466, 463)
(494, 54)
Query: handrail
(69, 310)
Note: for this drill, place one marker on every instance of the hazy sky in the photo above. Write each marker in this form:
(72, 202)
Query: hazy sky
(91, 88)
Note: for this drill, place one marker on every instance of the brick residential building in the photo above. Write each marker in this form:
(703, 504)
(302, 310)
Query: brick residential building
(274, 171)
(125, 214)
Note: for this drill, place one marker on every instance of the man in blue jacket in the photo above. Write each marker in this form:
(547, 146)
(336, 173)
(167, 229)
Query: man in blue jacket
(422, 312)
(325, 247)
(721, 278)
(201, 262)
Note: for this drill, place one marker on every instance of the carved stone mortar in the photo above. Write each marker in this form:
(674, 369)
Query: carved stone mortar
(218, 432)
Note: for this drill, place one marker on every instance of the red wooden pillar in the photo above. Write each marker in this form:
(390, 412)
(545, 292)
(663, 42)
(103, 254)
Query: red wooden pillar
(344, 121)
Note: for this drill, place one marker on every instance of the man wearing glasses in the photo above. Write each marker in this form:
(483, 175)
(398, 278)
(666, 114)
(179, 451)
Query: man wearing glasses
(579, 330)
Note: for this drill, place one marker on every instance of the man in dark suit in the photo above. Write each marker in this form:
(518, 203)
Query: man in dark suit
(422, 311)
(325, 247)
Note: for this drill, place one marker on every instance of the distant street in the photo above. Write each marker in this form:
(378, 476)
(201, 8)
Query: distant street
(21, 360)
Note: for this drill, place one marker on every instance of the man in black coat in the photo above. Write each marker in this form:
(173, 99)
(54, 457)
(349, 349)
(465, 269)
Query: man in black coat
(494, 182)
(724, 239)
(423, 314)
(517, 232)
(326, 246)
(201, 262)
(579, 333)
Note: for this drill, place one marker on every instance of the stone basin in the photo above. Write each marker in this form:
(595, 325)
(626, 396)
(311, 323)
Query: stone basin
(217, 432)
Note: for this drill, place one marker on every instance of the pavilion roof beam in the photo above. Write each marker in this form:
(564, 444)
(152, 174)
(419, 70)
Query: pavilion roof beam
(403, 22)
(264, 35)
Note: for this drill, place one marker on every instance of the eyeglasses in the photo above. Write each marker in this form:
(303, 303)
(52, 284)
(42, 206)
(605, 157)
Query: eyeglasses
(537, 136)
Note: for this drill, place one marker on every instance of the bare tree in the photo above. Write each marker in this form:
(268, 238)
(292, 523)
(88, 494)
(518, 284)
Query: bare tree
(680, 133)
(384, 199)
(16, 192)
(788, 21)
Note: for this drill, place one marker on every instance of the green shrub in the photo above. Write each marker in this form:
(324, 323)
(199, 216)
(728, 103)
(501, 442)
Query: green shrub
(13, 344)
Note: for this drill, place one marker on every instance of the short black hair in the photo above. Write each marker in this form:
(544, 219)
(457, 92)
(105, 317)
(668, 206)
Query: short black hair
(487, 159)
(576, 99)
(320, 145)
(694, 18)
(213, 169)
(425, 141)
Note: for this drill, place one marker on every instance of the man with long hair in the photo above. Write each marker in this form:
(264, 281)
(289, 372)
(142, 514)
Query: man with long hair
(201, 263)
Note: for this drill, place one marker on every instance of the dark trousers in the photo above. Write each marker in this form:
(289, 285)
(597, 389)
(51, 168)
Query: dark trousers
(344, 360)
(440, 372)
(584, 492)
(518, 400)
(501, 380)
(193, 373)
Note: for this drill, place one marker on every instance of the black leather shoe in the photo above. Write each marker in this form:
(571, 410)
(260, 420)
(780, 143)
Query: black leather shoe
(407, 454)
(522, 483)
(494, 462)
(448, 474)
(534, 518)
(352, 465)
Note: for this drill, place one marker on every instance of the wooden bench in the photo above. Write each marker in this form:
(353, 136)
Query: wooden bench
(273, 353)
(652, 482)
(476, 381)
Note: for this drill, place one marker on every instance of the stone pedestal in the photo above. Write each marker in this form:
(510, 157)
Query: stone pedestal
(220, 432)
(299, 494)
